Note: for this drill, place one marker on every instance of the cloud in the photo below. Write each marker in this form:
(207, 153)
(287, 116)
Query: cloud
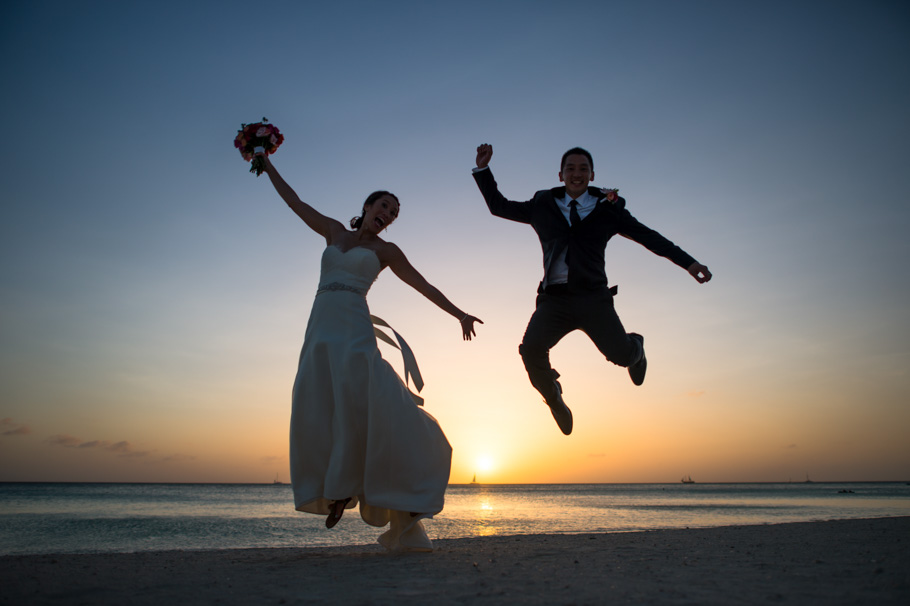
(16, 428)
(122, 448)
(95, 444)
(62, 439)
(696, 393)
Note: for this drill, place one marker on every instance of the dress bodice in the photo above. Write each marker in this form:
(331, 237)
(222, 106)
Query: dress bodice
(355, 269)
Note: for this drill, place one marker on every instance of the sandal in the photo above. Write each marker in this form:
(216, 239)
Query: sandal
(336, 511)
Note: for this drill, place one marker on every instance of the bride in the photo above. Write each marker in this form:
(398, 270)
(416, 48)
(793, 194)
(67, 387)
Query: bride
(358, 435)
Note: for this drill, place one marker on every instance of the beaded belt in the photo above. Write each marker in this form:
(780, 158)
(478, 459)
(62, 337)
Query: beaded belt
(339, 286)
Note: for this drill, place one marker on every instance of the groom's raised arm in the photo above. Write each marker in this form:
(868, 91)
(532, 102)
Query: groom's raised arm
(496, 202)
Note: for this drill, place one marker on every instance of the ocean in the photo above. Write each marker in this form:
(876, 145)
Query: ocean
(59, 518)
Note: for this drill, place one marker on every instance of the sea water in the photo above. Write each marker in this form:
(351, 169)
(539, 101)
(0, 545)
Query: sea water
(38, 518)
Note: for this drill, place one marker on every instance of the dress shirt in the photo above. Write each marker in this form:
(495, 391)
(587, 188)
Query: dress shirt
(559, 271)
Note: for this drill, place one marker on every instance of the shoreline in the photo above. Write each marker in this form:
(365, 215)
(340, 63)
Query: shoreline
(856, 561)
(485, 484)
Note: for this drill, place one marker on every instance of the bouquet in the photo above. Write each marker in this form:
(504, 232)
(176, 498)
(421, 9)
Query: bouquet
(256, 138)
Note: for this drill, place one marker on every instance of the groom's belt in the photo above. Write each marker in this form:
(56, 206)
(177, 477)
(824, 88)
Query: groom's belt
(564, 289)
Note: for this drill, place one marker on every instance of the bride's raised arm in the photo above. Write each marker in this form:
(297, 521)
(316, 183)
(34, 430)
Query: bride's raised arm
(322, 225)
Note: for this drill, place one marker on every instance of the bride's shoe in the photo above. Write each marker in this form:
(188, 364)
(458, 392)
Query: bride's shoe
(405, 534)
(415, 538)
(387, 540)
(336, 511)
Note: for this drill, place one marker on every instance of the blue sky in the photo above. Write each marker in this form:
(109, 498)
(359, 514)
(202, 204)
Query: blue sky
(153, 293)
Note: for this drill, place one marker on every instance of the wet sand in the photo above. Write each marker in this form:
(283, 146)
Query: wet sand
(837, 562)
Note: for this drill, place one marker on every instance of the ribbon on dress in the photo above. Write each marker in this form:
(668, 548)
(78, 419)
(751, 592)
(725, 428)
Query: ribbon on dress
(407, 356)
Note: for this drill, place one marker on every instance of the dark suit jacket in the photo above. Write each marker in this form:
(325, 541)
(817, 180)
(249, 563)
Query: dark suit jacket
(587, 242)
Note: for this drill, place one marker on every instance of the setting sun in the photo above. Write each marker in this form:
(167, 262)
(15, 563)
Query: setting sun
(485, 463)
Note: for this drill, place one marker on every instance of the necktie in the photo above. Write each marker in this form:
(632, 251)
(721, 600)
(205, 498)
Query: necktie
(574, 219)
(573, 213)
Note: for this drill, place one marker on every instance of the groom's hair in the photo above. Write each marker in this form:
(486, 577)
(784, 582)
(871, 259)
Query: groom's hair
(577, 150)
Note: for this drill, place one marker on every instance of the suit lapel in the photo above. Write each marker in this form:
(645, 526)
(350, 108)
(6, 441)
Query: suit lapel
(550, 201)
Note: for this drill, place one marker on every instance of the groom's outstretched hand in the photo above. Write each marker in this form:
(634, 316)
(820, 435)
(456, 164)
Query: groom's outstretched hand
(484, 153)
(699, 272)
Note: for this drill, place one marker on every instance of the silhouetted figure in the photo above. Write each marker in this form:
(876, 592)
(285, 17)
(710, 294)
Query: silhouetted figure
(574, 224)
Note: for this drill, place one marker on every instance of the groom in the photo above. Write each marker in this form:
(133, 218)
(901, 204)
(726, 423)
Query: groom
(574, 224)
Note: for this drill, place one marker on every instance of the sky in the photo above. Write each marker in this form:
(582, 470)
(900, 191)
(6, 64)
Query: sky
(154, 293)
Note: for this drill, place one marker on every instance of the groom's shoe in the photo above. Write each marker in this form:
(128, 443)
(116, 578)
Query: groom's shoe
(637, 370)
(560, 411)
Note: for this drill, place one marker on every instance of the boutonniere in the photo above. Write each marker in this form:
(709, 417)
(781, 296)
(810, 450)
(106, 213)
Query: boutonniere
(610, 193)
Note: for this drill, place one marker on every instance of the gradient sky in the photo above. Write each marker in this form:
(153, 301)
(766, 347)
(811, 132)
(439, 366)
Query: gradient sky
(154, 294)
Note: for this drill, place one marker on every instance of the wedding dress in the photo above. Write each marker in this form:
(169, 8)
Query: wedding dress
(356, 429)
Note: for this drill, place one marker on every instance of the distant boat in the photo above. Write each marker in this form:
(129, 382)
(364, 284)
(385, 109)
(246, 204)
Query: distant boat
(688, 480)
(276, 480)
(808, 481)
(474, 480)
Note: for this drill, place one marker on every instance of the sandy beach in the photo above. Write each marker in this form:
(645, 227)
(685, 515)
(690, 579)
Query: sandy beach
(837, 562)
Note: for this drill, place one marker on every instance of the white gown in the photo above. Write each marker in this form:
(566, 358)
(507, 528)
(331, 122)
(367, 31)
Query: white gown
(355, 429)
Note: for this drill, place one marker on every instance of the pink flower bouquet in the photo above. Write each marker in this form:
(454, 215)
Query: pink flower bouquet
(256, 138)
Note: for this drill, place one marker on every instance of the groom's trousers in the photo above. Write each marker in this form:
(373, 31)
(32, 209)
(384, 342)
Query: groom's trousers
(557, 314)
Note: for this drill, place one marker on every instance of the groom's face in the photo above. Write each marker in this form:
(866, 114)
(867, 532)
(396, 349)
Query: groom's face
(576, 173)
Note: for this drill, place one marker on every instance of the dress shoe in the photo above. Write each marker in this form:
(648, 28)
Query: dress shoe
(336, 510)
(637, 370)
(560, 411)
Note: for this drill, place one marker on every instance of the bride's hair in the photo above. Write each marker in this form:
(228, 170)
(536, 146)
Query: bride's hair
(356, 222)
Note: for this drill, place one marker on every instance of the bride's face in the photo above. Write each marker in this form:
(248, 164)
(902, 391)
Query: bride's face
(380, 214)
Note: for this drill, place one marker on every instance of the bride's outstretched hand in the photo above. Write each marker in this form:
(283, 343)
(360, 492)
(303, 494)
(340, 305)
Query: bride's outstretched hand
(467, 326)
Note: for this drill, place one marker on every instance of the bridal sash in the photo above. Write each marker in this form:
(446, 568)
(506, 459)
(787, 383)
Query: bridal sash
(410, 362)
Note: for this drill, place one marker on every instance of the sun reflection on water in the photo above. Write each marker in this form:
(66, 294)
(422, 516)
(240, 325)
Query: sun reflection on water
(485, 515)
